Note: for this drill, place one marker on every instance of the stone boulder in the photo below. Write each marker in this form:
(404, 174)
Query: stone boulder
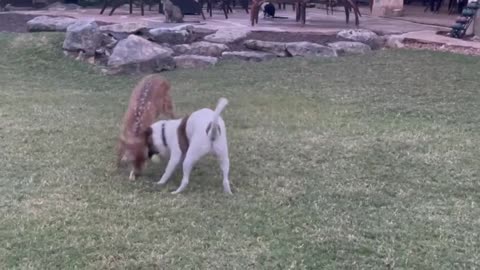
(128, 28)
(175, 35)
(227, 36)
(201, 48)
(309, 49)
(394, 42)
(277, 48)
(49, 24)
(108, 41)
(194, 61)
(362, 35)
(203, 31)
(350, 47)
(58, 6)
(138, 55)
(248, 56)
(83, 36)
(10, 7)
(172, 13)
(377, 43)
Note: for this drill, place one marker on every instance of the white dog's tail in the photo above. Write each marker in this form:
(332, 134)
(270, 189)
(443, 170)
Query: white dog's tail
(213, 129)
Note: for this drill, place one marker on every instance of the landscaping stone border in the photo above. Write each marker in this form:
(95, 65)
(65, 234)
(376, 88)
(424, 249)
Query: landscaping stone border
(135, 48)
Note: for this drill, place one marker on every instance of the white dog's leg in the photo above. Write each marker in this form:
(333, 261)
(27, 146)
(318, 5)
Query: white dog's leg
(132, 176)
(172, 164)
(187, 168)
(225, 165)
(221, 151)
(194, 153)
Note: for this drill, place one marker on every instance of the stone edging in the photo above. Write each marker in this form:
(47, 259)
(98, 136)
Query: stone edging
(135, 48)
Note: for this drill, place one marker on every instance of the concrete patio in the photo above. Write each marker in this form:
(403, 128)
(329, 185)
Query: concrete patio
(415, 24)
(317, 20)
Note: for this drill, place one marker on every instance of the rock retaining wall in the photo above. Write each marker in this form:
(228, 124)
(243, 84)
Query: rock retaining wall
(135, 48)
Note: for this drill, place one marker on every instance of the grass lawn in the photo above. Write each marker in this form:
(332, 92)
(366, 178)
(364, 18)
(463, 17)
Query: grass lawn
(364, 162)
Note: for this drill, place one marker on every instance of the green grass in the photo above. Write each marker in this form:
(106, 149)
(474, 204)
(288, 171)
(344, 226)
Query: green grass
(364, 162)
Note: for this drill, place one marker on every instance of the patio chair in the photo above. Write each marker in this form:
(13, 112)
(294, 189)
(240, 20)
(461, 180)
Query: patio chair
(117, 3)
(284, 6)
(329, 5)
(225, 6)
(189, 7)
(434, 6)
(456, 6)
(459, 29)
(301, 7)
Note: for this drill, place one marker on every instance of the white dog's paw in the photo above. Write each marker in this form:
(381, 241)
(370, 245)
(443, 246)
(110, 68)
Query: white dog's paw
(226, 187)
(155, 159)
(132, 176)
(160, 183)
(180, 189)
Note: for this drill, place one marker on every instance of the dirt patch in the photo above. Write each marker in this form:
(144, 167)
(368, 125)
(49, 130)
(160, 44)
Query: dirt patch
(285, 37)
(442, 48)
(17, 23)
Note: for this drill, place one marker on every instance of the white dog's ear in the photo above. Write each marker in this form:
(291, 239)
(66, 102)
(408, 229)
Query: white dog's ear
(151, 149)
(147, 133)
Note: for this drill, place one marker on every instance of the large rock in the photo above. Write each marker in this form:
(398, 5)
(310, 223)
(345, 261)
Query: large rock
(248, 56)
(138, 55)
(394, 41)
(83, 36)
(203, 31)
(109, 41)
(309, 49)
(176, 35)
(58, 6)
(362, 35)
(172, 13)
(10, 7)
(49, 24)
(350, 47)
(227, 36)
(129, 27)
(201, 48)
(194, 61)
(277, 48)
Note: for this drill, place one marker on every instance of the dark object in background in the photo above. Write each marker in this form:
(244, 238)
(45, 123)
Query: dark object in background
(269, 10)
(16, 3)
(459, 29)
(434, 5)
(461, 5)
(188, 7)
(455, 6)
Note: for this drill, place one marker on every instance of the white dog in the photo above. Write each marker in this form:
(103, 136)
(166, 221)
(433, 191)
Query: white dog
(189, 139)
